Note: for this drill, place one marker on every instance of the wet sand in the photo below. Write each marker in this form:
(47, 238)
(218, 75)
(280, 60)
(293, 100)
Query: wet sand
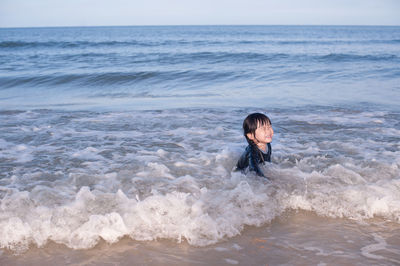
(295, 238)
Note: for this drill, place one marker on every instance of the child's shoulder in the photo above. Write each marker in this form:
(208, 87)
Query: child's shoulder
(251, 149)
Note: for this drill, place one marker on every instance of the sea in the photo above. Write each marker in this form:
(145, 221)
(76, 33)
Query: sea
(118, 145)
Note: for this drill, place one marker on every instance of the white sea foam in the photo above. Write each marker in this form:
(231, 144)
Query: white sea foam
(231, 261)
(367, 251)
(151, 175)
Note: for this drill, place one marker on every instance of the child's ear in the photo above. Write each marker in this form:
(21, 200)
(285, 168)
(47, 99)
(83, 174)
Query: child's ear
(250, 136)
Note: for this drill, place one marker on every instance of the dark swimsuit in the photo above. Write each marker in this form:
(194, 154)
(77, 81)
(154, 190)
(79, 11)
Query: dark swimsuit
(252, 157)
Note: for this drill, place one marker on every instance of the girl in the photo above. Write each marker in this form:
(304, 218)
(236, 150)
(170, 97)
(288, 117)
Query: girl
(258, 132)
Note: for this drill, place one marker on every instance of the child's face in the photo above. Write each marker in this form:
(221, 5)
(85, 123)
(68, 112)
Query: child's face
(263, 134)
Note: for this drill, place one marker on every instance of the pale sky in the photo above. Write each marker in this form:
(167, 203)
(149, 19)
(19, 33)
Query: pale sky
(39, 13)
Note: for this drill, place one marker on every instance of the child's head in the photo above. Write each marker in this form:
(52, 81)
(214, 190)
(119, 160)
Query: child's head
(257, 129)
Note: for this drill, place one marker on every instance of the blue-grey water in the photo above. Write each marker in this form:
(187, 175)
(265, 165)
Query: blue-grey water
(158, 67)
(116, 133)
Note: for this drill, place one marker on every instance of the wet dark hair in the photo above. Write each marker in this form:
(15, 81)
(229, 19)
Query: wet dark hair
(251, 123)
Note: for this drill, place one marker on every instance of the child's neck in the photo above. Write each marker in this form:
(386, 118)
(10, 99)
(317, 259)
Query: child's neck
(262, 146)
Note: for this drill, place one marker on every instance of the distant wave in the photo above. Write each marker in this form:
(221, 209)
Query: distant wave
(65, 44)
(82, 44)
(92, 78)
(250, 56)
(334, 41)
(353, 57)
(220, 57)
(148, 94)
(175, 58)
(111, 78)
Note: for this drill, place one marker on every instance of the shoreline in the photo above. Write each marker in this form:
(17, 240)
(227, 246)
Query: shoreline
(294, 238)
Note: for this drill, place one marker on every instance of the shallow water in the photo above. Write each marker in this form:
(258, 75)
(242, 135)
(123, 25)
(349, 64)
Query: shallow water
(295, 238)
(75, 178)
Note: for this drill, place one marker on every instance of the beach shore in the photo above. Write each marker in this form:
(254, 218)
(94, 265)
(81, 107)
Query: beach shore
(295, 238)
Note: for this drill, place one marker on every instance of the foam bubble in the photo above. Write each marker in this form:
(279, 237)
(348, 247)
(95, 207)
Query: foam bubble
(231, 261)
(89, 153)
(367, 251)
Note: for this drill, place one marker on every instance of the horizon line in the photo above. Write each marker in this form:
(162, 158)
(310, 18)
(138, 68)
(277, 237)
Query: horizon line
(201, 25)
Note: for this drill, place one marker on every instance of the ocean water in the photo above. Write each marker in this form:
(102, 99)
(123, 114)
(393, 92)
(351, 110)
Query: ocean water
(124, 139)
